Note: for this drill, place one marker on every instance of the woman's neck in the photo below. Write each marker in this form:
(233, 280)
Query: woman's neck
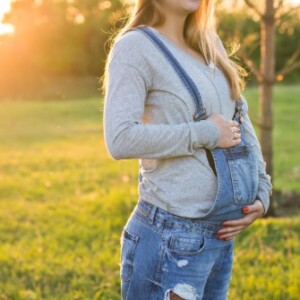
(172, 28)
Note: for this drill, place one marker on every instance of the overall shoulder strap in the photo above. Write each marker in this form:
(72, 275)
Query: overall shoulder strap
(200, 113)
(184, 77)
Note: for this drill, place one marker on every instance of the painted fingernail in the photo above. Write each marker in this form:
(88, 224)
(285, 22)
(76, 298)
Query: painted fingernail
(246, 209)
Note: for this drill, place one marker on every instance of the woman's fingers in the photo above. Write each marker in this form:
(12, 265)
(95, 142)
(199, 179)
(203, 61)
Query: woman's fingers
(236, 135)
(229, 131)
(233, 123)
(235, 129)
(236, 132)
(233, 227)
(244, 221)
(230, 235)
(229, 232)
(230, 229)
(256, 207)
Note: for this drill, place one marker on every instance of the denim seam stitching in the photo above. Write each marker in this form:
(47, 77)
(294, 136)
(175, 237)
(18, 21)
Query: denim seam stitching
(157, 275)
(215, 268)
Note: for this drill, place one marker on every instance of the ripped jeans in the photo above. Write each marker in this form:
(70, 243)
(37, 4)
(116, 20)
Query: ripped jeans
(164, 255)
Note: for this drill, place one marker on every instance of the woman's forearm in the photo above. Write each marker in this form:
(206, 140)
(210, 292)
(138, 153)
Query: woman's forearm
(127, 137)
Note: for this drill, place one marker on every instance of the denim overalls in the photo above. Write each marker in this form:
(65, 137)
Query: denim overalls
(236, 168)
(164, 254)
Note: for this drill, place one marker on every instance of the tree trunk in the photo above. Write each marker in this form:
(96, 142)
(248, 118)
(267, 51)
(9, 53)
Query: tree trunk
(267, 69)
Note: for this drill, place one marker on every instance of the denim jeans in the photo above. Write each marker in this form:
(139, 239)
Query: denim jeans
(163, 254)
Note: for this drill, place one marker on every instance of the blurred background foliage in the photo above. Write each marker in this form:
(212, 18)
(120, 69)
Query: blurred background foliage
(58, 42)
(55, 40)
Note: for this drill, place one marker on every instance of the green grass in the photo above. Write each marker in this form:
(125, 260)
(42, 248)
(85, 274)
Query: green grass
(286, 109)
(64, 201)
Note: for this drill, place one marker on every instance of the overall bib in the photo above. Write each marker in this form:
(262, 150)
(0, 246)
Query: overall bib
(163, 254)
(236, 167)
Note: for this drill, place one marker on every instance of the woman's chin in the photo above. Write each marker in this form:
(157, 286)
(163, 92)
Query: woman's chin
(192, 5)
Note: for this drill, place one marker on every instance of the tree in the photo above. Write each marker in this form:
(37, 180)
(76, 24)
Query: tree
(60, 37)
(54, 39)
(268, 17)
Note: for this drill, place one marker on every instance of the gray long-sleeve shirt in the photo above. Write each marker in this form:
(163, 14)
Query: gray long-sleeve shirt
(148, 115)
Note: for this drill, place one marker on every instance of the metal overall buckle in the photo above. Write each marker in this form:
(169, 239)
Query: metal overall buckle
(239, 111)
(200, 116)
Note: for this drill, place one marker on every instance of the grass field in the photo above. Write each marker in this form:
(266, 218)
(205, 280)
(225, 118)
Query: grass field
(64, 201)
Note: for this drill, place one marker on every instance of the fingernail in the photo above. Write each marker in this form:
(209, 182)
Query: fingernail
(246, 209)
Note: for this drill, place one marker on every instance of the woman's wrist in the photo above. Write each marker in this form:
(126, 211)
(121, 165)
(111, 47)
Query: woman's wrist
(262, 211)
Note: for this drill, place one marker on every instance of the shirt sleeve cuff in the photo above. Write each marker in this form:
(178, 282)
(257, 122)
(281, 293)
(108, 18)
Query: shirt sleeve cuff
(205, 133)
(264, 197)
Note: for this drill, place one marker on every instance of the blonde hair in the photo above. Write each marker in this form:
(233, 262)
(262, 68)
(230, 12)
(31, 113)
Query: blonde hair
(200, 35)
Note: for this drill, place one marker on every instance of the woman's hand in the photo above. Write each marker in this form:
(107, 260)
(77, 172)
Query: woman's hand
(232, 228)
(229, 131)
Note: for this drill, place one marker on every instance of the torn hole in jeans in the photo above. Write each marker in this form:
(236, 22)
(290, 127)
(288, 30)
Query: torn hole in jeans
(181, 291)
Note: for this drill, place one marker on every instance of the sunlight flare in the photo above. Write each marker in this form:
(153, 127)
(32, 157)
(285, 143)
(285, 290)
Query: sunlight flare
(5, 6)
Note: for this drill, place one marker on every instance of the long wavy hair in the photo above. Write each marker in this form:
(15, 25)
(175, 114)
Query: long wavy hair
(199, 33)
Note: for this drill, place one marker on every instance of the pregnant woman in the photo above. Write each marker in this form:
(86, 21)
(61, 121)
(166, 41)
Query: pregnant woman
(173, 100)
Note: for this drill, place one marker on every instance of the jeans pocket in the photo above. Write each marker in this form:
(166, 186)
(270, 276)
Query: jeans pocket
(243, 169)
(128, 246)
(185, 245)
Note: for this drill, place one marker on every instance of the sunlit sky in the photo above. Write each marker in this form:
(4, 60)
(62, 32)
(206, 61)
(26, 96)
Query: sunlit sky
(7, 28)
(4, 8)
